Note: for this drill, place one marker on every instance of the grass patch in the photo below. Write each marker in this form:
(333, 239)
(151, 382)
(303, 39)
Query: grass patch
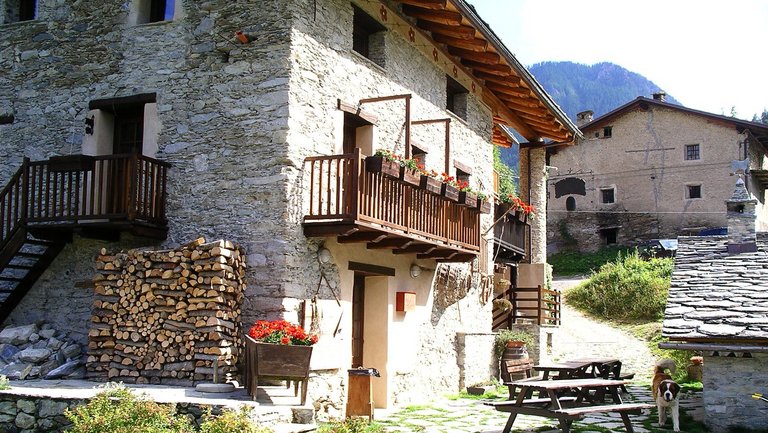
(627, 288)
(578, 263)
(351, 425)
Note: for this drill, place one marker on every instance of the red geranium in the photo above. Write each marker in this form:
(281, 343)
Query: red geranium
(281, 332)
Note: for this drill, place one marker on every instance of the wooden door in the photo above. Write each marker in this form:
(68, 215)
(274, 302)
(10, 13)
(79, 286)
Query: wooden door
(358, 319)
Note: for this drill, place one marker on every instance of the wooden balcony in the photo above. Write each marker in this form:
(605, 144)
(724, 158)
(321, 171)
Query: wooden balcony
(509, 234)
(355, 205)
(93, 195)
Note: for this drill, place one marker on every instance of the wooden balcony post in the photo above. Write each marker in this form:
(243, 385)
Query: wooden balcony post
(132, 175)
(408, 127)
(356, 172)
(539, 302)
(447, 145)
(23, 215)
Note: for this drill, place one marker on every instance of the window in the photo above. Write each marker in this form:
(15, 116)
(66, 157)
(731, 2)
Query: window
(692, 152)
(367, 36)
(610, 235)
(456, 98)
(419, 155)
(570, 204)
(607, 195)
(151, 11)
(693, 191)
(20, 10)
(608, 132)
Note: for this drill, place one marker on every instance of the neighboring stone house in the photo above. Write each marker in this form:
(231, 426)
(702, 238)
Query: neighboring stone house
(718, 305)
(251, 118)
(650, 170)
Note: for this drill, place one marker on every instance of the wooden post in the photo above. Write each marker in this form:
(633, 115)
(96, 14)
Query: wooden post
(356, 172)
(408, 127)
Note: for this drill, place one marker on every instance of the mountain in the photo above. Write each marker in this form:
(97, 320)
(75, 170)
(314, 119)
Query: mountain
(601, 87)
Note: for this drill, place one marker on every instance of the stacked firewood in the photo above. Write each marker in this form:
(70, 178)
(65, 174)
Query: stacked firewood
(167, 316)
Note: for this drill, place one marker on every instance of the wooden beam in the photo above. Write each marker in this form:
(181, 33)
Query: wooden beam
(498, 69)
(416, 248)
(361, 237)
(504, 80)
(394, 242)
(425, 4)
(325, 230)
(476, 44)
(438, 254)
(511, 119)
(368, 269)
(435, 16)
(486, 57)
(460, 31)
(458, 258)
(512, 91)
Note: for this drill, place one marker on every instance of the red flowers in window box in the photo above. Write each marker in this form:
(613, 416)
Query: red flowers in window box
(281, 332)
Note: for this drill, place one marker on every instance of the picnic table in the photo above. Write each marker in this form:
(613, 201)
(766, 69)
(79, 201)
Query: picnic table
(606, 368)
(564, 370)
(567, 400)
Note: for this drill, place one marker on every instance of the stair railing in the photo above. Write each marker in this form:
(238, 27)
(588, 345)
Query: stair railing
(13, 205)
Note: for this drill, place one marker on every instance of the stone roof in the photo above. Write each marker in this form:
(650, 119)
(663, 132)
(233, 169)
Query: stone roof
(716, 296)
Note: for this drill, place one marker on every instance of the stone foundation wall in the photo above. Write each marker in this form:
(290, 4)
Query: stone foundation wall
(729, 383)
(165, 317)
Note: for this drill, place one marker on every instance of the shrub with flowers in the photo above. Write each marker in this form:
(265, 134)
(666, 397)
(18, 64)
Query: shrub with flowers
(281, 332)
(409, 163)
(518, 204)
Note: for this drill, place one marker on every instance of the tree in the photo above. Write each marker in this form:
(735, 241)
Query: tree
(763, 118)
(507, 184)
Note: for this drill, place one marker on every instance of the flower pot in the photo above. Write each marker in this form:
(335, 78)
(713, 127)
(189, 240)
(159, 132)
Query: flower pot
(379, 164)
(483, 205)
(430, 184)
(276, 361)
(468, 199)
(411, 177)
(450, 192)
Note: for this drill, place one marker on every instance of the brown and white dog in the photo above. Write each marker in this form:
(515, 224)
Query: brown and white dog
(665, 392)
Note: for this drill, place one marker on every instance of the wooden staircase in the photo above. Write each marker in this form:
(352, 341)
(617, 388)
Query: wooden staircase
(45, 203)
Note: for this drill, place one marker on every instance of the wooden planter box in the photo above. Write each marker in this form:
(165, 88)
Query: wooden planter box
(276, 361)
(411, 177)
(430, 184)
(468, 199)
(70, 163)
(483, 205)
(450, 192)
(379, 164)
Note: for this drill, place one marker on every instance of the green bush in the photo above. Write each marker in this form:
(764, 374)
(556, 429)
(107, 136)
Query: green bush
(582, 263)
(505, 335)
(4, 383)
(117, 410)
(629, 288)
(351, 425)
(231, 421)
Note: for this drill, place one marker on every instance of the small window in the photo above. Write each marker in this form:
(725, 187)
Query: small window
(462, 175)
(419, 155)
(610, 235)
(20, 10)
(607, 195)
(608, 131)
(693, 191)
(367, 36)
(456, 98)
(570, 204)
(692, 152)
(152, 11)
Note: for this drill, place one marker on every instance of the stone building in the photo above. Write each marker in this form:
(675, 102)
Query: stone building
(717, 306)
(650, 170)
(251, 121)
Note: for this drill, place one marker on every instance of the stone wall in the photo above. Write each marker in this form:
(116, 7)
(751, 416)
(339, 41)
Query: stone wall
(729, 383)
(644, 160)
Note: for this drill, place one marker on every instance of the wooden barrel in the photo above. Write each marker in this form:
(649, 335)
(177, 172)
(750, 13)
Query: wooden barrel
(514, 352)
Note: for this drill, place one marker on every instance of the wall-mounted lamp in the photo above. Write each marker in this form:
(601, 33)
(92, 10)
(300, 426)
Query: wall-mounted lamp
(324, 255)
(89, 121)
(416, 270)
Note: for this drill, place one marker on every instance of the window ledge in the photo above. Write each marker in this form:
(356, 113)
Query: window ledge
(368, 61)
(22, 23)
(154, 24)
(457, 118)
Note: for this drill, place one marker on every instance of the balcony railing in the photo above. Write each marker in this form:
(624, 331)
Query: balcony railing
(82, 190)
(509, 234)
(529, 304)
(347, 200)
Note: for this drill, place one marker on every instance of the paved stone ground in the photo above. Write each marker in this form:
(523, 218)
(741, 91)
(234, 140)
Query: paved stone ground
(579, 336)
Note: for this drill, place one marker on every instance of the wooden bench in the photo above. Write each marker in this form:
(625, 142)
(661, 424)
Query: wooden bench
(524, 365)
(567, 416)
(530, 401)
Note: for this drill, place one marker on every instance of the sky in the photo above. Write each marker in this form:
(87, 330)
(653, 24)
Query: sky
(709, 55)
